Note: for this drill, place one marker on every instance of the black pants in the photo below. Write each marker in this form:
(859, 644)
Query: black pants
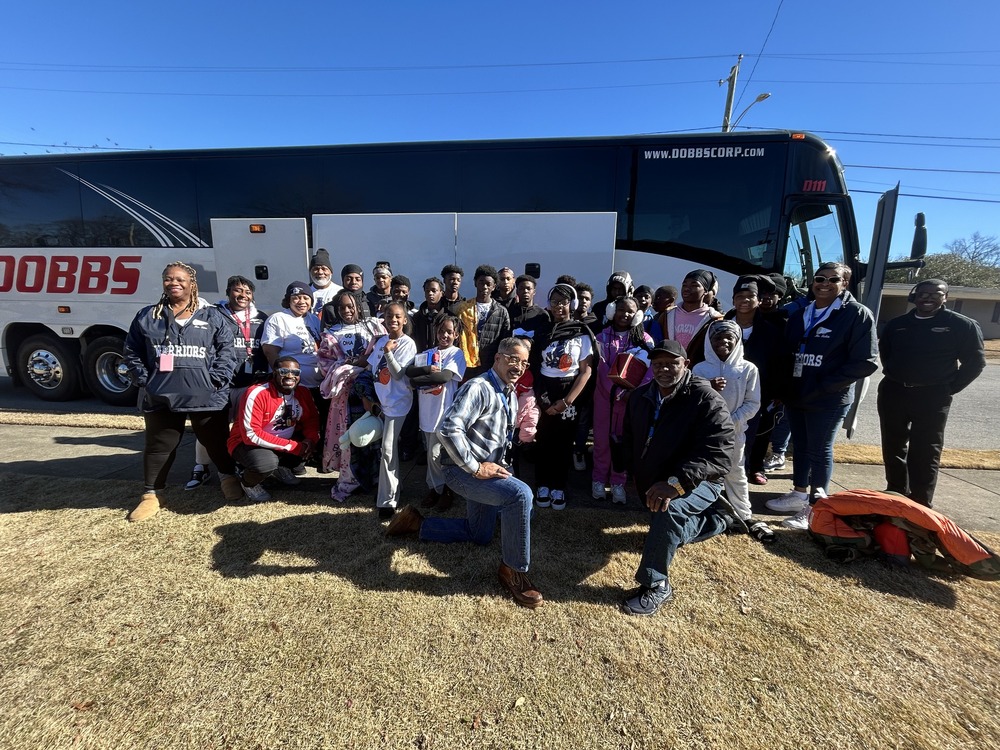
(259, 463)
(912, 422)
(164, 430)
(555, 436)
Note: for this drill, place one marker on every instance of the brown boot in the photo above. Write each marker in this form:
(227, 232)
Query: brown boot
(520, 587)
(147, 507)
(430, 499)
(232, 490)
(407, 521)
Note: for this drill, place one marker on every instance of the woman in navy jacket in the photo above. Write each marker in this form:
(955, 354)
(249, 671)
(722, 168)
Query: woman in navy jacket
(180, 352)
(833, 343)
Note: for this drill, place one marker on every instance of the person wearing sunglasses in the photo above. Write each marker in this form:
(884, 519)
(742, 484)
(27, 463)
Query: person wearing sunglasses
(476, 433)
(832, 343)
(276, 426)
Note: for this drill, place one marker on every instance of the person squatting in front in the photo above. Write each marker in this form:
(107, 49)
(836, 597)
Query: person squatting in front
(679, 440)
(476, 434)
(180, 354)
(276, 428)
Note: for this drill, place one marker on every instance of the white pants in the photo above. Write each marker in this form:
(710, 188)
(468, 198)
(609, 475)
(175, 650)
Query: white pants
(388, 470)
(737, 489)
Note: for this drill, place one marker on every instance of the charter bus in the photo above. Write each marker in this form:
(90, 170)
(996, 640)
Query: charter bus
(84, 237)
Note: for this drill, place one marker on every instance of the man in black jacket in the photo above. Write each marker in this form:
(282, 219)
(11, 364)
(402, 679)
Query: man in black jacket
(928, 355)
(678, 440)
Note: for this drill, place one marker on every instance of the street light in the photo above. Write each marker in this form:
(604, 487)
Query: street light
(760, 98)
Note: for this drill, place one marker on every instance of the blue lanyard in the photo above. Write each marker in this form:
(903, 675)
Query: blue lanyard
(652, 425)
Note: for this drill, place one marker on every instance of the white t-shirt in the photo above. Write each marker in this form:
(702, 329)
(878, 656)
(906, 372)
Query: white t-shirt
(352, 338)
(324, 295)
(394, 393)
(285, 418)
(435, 400)
(561, 359)
(295, 337)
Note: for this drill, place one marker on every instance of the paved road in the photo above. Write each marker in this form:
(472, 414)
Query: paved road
(971, 426)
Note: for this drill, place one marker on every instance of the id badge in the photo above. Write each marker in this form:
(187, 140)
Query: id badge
(797, 368)
(166, 363)
(248, 367)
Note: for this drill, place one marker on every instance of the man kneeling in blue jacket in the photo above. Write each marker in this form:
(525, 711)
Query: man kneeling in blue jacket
(678, 440)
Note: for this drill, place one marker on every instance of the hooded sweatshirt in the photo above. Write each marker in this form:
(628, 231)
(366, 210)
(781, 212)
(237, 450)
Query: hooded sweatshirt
(742, 391)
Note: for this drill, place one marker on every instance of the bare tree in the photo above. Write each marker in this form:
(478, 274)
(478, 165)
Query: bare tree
(973, 262)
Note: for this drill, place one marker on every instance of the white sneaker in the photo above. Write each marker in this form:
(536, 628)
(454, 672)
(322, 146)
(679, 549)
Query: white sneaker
(597, 490)
(542, 498)
(618, 494)
(775, 462)
(790, 502)
(579, 461)
(800, 521)
(285, 475)
(257, 493)
(558, 500)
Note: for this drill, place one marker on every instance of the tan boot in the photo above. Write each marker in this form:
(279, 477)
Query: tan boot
(146, 508)
(232, 490)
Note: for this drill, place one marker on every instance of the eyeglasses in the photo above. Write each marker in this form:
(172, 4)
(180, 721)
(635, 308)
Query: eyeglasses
(289, 371)
(826, 279)
(561, 302)
(514, 361)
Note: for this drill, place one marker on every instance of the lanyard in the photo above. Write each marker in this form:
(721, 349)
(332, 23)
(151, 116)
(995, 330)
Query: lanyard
(656, 418)
(815, 318)
(245, 330)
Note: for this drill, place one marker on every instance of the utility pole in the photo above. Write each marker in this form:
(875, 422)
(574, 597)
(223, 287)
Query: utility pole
(733, 73)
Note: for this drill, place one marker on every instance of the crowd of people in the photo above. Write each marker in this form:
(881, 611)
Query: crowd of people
(684, 399)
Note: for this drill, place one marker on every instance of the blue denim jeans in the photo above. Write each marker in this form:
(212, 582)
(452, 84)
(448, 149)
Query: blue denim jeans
(690, 518)
(813, 433)
(509, 498)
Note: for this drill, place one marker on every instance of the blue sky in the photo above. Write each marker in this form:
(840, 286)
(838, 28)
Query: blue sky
(887, 83)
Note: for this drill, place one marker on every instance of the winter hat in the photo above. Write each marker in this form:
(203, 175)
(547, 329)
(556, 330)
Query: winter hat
(298, 287)
(623, 278)
(321, 258)
(725, 325)
(780, 285)
(351, 268)
(749, 284)
(703, 277)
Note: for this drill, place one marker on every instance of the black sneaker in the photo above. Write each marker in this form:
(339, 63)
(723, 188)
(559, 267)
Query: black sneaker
(199, 476)
(300, 469)
(384, 514)
(647, 600)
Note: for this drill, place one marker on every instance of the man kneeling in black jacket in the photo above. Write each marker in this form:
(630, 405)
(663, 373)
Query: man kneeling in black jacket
(678, 440)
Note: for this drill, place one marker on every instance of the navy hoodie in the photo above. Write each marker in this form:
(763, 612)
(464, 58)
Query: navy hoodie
(203, 359)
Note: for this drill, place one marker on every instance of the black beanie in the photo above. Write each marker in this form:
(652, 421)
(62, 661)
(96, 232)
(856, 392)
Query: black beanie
(351, 268)
(703, 277)
(321, 258)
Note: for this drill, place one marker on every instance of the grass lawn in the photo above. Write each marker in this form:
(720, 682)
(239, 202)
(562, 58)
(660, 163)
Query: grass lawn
(297, 624)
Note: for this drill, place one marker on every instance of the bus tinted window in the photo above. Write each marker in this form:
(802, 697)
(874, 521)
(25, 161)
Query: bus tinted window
(40, 206)
(705, 201)
(139, 203)
(538, 179)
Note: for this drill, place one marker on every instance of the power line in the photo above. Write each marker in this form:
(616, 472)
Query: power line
(932, 197)
(757, 60)
(920, 169)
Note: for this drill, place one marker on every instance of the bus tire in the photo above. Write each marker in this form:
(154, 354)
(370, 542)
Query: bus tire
(49, 368)
(105, 373)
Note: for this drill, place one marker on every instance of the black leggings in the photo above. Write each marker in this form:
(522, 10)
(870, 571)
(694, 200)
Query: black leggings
(164, 430)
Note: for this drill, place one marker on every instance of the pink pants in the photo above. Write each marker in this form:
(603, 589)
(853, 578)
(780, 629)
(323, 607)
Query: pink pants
(608, 418)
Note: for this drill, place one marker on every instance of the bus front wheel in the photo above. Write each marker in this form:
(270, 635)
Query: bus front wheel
(105, 372)
(49, 368)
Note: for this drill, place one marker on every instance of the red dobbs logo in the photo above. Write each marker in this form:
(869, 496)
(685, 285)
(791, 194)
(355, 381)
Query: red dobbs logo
(70, 274)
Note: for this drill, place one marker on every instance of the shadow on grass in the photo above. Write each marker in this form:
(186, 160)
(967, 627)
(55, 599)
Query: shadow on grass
(567, 551)
(877, 574)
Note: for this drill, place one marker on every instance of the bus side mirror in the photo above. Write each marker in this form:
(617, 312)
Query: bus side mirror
(533, 269)
(919, 249)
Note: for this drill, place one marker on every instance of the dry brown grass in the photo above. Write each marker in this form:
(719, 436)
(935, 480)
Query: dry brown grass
(992, 349)
(297, 624)
(951, 458)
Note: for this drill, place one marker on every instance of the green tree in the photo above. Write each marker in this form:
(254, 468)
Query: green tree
(973, 261)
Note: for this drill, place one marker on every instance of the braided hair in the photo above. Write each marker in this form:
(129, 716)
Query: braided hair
(192, 305)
